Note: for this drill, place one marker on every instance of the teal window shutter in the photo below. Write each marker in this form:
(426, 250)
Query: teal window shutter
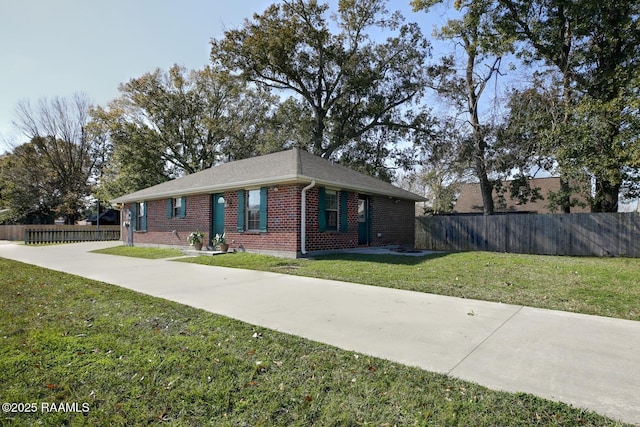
(240, 210)
(134, 217)
(183, 207)
(263, 209)
(322, 215)
(344, 197)
(169, 208)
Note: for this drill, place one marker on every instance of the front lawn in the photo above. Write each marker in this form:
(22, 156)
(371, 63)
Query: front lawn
(600, 286)
(121, 358)
(141, 252)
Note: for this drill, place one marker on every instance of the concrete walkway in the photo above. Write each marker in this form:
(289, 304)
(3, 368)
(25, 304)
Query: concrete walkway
(588, 361)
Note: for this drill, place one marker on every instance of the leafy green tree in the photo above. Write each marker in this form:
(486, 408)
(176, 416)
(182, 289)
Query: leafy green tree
(166, 124)
(133, 164)
(23, 194)
(350, 84)
(593, 48)
(529, 140)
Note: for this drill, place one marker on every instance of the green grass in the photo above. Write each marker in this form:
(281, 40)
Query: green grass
(139, 360)
(600, 286)
(141, 252)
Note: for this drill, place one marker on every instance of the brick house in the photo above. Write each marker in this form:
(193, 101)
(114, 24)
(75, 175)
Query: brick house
(290, 203)
(470, 199)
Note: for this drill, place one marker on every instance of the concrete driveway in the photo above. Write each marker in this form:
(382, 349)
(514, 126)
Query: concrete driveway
(588, 361)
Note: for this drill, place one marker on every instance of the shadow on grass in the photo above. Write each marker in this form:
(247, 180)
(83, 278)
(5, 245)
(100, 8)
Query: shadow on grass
(383, 259)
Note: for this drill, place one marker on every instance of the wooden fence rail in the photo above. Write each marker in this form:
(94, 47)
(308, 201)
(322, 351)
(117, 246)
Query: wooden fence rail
(601, 234)
(59, 233)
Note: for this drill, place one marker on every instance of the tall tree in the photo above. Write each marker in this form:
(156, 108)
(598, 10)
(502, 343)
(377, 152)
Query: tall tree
(474, 31)
(530, 139)
(351, 83)
(175, 122)
(62, 145)
(133, 162)
(594, 48)
(27, 189)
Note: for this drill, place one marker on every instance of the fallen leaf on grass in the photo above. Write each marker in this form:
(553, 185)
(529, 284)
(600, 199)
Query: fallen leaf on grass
(163, 415)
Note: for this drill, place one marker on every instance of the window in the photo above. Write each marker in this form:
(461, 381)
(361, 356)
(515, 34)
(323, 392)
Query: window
(331, 210)
(141, 216)
(176, 206)
(253, 210)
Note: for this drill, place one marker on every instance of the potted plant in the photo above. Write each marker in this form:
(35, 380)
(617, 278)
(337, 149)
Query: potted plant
(221, 241)
(195, 239)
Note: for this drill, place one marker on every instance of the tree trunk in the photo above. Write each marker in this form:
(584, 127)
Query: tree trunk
(479, 144)
(565, 191)
(486, 189)
(606, 199)
(318, 132)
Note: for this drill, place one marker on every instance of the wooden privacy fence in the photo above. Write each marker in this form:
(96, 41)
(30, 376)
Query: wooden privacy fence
(600, 234)
(59, 233)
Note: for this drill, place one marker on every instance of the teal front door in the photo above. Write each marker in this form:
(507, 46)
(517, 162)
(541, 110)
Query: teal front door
(363, 221)
(218, 215)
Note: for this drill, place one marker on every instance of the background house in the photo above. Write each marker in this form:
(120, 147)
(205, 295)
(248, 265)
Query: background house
(290, 203)
(470, 199)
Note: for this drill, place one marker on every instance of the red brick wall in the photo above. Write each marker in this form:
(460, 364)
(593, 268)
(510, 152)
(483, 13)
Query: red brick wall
(327, 240)
(283, 223)
(392, 221)
(174, 231)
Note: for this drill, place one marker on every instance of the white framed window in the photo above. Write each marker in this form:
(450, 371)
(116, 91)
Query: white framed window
(176, 206)
(331, 208)
(253, 210)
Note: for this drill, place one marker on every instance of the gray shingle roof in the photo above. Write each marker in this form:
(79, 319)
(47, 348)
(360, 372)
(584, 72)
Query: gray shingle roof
(291, 166)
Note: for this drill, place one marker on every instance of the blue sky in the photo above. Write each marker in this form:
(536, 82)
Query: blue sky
(55, 48)
(58, 47)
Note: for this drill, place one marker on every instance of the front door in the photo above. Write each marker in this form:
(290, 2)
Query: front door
(218, 215)
(363, 221)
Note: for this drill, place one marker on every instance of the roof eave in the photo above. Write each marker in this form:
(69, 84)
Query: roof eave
(402, 195)
(206, 189)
